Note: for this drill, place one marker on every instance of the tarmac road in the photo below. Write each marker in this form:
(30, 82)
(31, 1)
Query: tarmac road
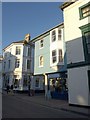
(16, 107)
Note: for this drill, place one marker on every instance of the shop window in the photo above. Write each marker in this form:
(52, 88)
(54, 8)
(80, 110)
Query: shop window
(84, 11)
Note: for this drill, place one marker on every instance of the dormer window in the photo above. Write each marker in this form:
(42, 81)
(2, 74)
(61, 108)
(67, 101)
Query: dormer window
(53, 35)
(41, 43)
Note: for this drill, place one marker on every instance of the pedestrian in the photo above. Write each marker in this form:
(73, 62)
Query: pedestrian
(52, 89)
(8, 88)
(11, 89)
(29, 86)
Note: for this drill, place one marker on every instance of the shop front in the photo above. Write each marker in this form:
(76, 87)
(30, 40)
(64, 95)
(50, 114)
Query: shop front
(58, 85)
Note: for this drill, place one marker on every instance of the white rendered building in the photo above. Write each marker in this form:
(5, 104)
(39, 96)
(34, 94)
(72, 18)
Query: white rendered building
(18, 64)
(77, 37)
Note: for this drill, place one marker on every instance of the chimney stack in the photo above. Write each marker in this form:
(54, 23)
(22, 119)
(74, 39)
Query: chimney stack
(27, 38)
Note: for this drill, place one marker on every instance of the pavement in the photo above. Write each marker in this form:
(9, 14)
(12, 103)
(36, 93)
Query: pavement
(63, 105)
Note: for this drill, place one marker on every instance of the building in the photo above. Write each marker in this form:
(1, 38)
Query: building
(50, 59)
(18, 64)
(77, 38)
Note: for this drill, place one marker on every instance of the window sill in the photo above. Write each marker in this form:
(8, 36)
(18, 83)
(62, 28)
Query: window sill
(41, 47)
(40, 66)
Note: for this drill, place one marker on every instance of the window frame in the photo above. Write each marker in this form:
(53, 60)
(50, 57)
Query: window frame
(60, 35)
(55, 56)
(41, 44)
(16, 63)
(41, 61)
(53, 36)
(28, 52)
(85, 29)
(18, 51)
(29, 64)
(60, 55)
(80, 11)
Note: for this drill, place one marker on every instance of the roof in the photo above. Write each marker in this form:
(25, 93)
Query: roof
(46, 32)
(21, 41)
(68, 3)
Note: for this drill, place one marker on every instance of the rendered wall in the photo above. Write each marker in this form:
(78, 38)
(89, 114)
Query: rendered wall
(78, 86)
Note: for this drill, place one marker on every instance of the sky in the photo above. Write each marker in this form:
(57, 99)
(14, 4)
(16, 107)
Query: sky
(20, 18)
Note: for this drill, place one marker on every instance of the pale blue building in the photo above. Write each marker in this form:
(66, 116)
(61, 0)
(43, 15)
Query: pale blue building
(50, 64)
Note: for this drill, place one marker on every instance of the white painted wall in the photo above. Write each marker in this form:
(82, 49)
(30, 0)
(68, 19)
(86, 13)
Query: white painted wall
(23, 62)
(13, 57)
(78, 86)
(72, 23)
(56, 45)
(77, 77)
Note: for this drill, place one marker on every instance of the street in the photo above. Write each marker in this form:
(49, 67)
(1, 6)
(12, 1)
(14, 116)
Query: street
(16, 107)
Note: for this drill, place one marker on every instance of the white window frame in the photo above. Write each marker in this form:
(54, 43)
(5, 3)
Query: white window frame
(18, 50)
(60, 56)
(53, 36)
(59, 34)
(17, 61)
(40, 61)
(54, 56)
